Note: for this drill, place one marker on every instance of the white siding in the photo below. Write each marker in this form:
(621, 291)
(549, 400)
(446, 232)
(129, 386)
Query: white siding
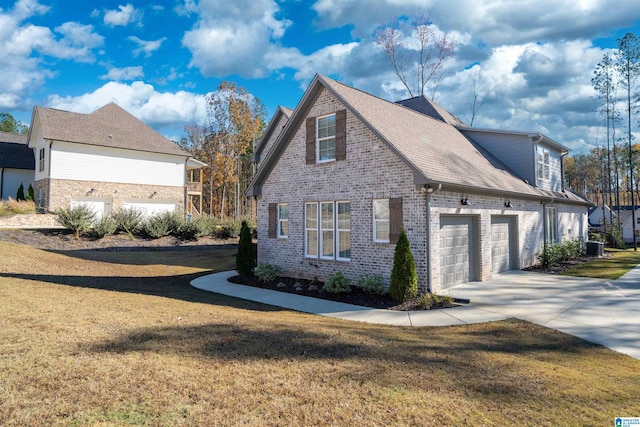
(554, 182)
(37, 143)
(91, 163)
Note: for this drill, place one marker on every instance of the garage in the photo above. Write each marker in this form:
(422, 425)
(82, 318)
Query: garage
(151, 207)
(99, 206)
(501, 244)
(456, 250)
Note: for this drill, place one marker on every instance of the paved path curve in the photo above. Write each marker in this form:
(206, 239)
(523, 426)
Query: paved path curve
(600, 311)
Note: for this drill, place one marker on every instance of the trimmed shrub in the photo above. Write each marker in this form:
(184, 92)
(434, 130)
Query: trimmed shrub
(206, 225)
(188, 230)
(162, 224)
(266, 272)
(404, 276)
(30, 194)
(371, 285)
(77, 218)
(231, 228)
(129, 220)
(429, 301)
(556, 253)
(245, 259)
(20, 194)
(337, 284)
(106, 226)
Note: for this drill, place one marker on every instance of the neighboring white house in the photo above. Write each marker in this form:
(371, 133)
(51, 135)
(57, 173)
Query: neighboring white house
(348, 170)
(626, 222)
(16, 164)
(598, 215)
(108, 160)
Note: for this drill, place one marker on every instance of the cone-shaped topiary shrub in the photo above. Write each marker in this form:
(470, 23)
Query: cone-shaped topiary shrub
(30, 195)
(20, 194)
(245, 259)
(404, 277)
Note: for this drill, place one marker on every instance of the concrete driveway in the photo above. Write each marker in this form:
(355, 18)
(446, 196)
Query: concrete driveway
(600, 311)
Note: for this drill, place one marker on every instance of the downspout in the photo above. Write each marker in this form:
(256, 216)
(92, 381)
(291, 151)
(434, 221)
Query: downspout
(429, 190)
(562, 171)
(186, 189)
(49, 175)
(1, 183)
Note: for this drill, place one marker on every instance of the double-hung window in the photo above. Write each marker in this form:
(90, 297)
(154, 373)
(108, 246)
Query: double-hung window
(381, 220)
(328, 230)
(543, 163)
(283, 220)
(326, 146)
(41, 161)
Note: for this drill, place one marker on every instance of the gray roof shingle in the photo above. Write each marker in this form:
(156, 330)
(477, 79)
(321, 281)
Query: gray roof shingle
(14, 152)
(435, 150)
(109, 126)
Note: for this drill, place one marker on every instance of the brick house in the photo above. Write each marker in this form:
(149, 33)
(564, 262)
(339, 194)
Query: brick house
(108, 160)
(348, 169)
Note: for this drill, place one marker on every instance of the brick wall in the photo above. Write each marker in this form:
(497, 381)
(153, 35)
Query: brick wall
(62, 191)
(371, 171)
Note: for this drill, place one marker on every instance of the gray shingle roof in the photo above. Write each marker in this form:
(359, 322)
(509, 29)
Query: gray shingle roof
(426, 106)
(109, 126)
(14, 152)
(437, 152)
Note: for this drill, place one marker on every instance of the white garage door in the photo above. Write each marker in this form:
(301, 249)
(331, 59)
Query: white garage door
(99, 206)
(500, 244)
(455, 250)
(150, 207)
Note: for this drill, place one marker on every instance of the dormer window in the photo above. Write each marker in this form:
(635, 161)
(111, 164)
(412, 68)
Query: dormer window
(543, 163)
(326, 147)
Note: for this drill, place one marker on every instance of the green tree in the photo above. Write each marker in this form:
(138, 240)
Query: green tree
(20, 193)
(628, 67)
(245, 259)
(404, 276)
(11, 125)
(30, 194)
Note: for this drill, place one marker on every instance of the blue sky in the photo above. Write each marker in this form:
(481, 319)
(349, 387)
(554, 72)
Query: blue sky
(535, 59)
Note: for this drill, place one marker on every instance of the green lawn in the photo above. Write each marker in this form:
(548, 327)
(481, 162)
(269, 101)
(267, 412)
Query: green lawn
(91, 338)
(622, 261)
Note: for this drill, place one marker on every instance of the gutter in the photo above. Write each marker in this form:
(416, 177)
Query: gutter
(429, 190)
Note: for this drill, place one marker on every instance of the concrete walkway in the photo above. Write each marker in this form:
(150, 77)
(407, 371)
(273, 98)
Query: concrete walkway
(596, 310)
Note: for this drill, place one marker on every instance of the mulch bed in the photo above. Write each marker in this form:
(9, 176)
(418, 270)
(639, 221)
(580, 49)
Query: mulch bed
(314, 289)
(565, 265)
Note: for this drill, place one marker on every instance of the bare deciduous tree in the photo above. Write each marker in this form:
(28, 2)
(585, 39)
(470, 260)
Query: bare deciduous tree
(419, 60)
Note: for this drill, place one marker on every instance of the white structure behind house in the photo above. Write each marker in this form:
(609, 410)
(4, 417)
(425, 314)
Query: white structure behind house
(16, 165)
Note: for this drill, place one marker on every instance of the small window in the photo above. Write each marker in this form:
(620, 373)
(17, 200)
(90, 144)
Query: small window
(326, 138)
(381, 220)
(41, 161)
(283, 220)
(543, 163)
(638, 220)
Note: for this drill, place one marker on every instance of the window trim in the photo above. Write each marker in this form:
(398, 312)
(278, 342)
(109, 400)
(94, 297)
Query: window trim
(339, 230)
(326, 138)
(41, 160)
(318, 229)
(280, 220)
(544, 165)
(383, 220)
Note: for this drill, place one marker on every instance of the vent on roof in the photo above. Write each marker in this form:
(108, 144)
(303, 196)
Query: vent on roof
(110, 135)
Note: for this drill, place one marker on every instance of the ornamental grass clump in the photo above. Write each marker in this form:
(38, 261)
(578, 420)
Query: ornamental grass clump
(404, 276)
(105, 226)
(337, 284)
(77, 219)
(266, 272)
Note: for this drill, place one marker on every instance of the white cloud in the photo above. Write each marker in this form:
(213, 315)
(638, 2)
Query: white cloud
(232, 37)
(125, 73)
(187, 8)
(148, 47)
(164, 110)
(25, 47)
(124, 16)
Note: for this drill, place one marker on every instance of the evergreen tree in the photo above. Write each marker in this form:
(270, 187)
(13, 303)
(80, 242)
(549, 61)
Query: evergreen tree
(245, 259)
(20, 194)
(404, 276)
(30, 194)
